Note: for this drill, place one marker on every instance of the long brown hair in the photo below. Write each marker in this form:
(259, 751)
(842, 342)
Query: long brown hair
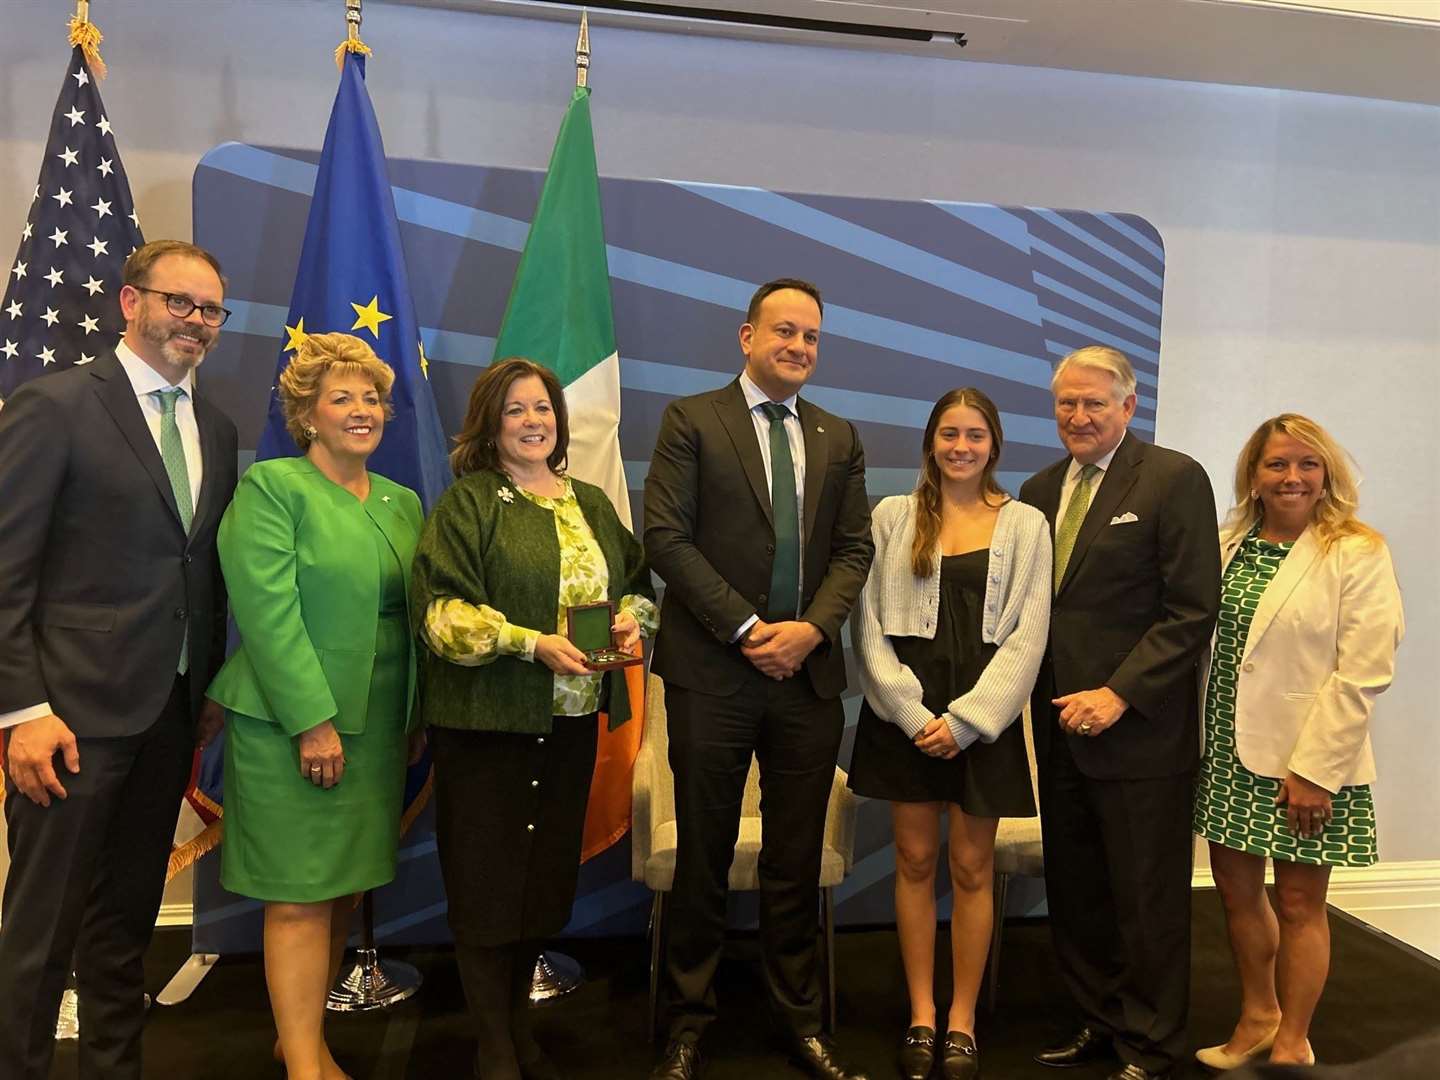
(1334, 515)
(475, 445)
(927, 492)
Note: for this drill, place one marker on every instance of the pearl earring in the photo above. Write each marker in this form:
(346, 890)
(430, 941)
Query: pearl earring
(309, 431)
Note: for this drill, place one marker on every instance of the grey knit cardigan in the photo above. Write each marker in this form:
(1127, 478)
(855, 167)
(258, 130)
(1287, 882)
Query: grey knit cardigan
(896, 603)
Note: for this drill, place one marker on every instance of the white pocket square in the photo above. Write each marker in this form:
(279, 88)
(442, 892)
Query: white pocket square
(1123, 519)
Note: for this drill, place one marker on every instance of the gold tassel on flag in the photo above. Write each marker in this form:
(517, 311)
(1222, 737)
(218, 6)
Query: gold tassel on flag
(352, 42)
(86, 34)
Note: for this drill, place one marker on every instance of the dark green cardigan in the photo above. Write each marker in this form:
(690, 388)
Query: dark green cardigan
(484, 550)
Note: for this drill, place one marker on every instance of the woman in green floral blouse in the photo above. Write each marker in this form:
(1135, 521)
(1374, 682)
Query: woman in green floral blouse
(510, 704)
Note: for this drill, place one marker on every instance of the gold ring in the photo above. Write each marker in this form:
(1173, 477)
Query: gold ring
(1085, 728)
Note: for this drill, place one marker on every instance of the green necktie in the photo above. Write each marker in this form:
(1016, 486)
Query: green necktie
(1070, 526)
(172, 453)
(785, 573)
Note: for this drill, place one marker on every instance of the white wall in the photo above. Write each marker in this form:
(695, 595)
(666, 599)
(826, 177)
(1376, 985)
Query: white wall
(1302, 231)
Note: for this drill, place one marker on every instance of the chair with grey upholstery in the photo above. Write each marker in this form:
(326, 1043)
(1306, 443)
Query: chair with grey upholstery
(653, 843)
(1018, 851)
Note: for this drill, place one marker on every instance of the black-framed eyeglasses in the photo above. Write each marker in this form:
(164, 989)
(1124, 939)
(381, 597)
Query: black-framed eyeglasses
(180, 306)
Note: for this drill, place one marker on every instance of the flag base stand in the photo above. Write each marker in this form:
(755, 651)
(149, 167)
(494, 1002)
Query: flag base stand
(183, 983)
(67, 1023)
(368, 983)
(555, 976)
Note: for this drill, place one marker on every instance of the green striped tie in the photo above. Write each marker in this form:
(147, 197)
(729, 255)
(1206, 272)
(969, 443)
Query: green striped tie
(785, 571)
(172, 453)
(1074, 517)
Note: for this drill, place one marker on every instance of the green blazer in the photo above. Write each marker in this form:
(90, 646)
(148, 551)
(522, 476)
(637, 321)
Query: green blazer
(299, 559)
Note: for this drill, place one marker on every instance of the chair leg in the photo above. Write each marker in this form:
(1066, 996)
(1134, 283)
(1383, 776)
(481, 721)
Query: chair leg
(657, 944)
(992, 982)
(827, 919)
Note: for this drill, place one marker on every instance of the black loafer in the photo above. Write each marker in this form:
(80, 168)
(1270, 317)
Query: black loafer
(816, 1056)
(917, 1053)
(961, 1061)
(681, 1062)
(1084, 1046)
(1138, 1072)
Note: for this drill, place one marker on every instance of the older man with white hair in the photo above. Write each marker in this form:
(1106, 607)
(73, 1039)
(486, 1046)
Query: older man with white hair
(1116, 716)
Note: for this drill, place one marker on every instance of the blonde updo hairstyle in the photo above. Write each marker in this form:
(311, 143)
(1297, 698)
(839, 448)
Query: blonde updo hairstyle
(1334, 515)
(317, 356)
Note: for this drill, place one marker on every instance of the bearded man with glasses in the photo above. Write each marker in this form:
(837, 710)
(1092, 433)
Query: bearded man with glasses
(113, 478)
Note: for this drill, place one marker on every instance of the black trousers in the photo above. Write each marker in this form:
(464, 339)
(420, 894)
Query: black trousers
(84, 887)
(795, 736)
(1117, 880)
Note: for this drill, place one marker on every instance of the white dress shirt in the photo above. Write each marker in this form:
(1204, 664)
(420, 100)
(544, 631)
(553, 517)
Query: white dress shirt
(145, 380)
(1072, 481)
(754, 398)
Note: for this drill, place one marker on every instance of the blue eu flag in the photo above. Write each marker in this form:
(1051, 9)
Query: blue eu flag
(352, 278)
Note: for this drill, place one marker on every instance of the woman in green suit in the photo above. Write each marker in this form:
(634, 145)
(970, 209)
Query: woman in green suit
(316, 553)
(510, 704)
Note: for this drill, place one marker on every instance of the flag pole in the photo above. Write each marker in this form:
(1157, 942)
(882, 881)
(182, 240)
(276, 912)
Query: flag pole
(367, 983)
(582, 51)
(556, 973)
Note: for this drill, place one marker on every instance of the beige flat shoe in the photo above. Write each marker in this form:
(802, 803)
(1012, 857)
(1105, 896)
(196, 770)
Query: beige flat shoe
(1215, 1057)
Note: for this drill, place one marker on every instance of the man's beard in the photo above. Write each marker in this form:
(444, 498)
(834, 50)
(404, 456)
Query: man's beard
(161, 334)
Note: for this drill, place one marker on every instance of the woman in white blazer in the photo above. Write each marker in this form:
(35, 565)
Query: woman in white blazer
(948, 635)
(1310, 619)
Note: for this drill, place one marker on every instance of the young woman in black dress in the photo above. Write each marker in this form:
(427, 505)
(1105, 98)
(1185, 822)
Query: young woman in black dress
(949, 634)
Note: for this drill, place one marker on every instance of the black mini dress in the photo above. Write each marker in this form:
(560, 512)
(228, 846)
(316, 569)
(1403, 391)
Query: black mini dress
(985, 780)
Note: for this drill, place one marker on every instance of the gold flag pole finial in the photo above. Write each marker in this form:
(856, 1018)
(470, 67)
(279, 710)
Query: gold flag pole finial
(352, 42)
(582, 50)
(87, 36)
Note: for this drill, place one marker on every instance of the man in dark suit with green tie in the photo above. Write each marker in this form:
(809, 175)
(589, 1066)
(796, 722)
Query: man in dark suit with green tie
(756, 519)
(113, 478)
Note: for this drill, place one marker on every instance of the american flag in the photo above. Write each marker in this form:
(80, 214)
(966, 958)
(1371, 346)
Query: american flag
(61, 304)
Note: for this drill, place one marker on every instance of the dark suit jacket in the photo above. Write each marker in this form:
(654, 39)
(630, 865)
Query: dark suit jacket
(710, 536)
(98, 581)
(1134, 611)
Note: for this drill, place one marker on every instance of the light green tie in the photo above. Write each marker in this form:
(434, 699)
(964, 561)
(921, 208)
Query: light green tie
(172, 453)
(1074, 517)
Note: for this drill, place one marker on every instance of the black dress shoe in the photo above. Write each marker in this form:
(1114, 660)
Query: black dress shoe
(816, 1056)
(917, 1053)
(1084, 1046)
(961, 1061)
(1136, 1072)
(681, 1062)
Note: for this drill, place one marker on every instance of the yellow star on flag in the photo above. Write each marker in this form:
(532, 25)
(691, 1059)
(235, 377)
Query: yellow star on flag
(370, 316)
(424, 362)
(296, 334)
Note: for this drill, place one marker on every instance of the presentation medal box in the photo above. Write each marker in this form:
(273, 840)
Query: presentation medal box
(589, 631)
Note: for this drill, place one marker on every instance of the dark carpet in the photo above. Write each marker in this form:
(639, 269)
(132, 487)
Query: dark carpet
(1380, 993)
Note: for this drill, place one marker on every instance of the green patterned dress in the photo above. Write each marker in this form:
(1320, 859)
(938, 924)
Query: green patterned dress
(1234, 806)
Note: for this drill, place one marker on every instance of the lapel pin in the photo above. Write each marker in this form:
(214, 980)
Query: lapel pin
(384, 498)
(820, 430)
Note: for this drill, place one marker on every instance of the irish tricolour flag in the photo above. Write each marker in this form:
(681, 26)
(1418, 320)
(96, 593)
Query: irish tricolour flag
(559, 315)
(559, 311)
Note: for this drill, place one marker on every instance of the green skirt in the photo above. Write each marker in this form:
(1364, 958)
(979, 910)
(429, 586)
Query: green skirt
(290, 841)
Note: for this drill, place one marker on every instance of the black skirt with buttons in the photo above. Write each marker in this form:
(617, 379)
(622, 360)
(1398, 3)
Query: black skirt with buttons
(509, 819)
(986, 779)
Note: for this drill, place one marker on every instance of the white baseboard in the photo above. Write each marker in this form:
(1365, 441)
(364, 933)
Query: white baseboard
(178, 914)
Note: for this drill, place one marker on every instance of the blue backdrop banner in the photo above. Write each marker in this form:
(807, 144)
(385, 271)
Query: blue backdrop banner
(920, 297)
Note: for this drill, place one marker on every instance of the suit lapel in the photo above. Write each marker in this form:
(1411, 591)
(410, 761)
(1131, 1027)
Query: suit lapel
(1296, 565)
(118, 397)
(816, 455)
(730, 407)
(1119, 478)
